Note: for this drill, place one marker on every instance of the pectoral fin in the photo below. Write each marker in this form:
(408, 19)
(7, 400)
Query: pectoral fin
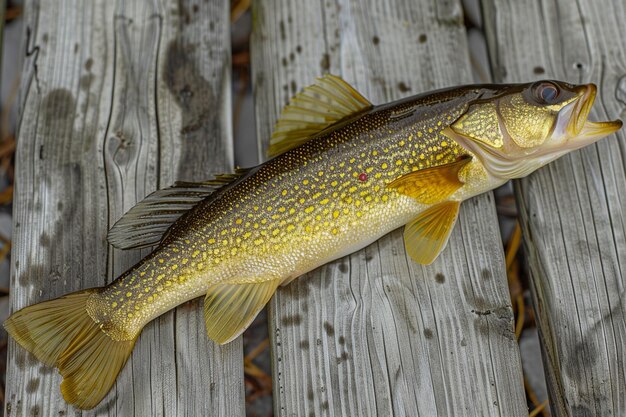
(431, 185)
(230, 308)
(427, 235)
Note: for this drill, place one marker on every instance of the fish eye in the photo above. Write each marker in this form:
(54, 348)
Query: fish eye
(545, 92)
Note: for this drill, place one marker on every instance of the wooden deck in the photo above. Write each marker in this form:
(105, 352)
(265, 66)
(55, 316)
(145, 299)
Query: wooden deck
(120, 98)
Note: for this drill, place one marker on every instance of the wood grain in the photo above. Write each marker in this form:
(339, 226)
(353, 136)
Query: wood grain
(118, 99)
(374, 333)
(573, 212)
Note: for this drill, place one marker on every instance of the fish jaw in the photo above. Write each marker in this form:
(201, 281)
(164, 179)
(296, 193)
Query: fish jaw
(574, 130)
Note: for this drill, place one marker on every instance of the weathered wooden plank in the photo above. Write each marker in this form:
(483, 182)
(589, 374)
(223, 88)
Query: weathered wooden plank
(572, 211)
(118, 99)
(375, 333)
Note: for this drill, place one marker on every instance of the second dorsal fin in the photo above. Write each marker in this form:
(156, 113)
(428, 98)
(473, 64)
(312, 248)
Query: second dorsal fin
(144, 224)
(312, 110)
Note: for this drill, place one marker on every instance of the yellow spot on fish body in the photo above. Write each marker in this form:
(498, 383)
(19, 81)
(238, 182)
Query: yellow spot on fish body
(195, 253)
(335, 214)
(324, 201)
(309, 209)
(114, 304)
(174, 267)
(238, 221)
(129, 294)
(385, 197)
(284, 192)
(161, 260)
(305, 182)
(275, 232)
(384, 165)
(211, 241)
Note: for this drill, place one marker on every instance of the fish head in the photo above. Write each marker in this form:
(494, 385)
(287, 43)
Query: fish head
(516, 129)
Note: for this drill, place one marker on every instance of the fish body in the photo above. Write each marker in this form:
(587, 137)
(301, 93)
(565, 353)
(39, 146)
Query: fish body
(339, 180)
(302, 209)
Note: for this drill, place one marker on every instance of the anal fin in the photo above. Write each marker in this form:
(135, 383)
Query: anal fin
(427, 235)
(230, 308)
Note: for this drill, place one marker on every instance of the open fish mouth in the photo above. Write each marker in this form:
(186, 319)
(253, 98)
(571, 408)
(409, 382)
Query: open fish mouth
(579, 127)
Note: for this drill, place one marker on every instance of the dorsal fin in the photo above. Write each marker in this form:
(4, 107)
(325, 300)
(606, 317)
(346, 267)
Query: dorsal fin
(316, 107)
(144, 224)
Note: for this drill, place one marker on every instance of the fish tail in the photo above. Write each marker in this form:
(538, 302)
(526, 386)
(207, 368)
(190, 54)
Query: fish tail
(60, 332)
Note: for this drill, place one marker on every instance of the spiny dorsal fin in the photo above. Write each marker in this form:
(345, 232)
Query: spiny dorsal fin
(312, 110)
(145, 224)
(431, 185)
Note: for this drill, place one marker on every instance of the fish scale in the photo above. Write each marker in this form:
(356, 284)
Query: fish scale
(344, 173)
(295, 212)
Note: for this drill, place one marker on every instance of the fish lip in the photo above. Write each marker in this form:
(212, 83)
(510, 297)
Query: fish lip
(582, 108)
(579, 127)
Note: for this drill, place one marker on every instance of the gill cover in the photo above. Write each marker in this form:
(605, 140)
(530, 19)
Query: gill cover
(515, 129)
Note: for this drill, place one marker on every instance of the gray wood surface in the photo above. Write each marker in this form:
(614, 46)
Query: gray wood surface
(118, 99)
(374, 333)
(573, 212)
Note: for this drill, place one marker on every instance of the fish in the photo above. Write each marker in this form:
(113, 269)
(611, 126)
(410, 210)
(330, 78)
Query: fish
(342, 173)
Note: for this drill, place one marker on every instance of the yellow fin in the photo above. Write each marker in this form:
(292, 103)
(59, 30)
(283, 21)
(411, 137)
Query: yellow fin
(431, 185)
(230, 308)
(312, 110)
(60, 332)
(427, 235)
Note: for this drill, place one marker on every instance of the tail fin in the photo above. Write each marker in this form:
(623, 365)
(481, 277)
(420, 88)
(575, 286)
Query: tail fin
(59, 332)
